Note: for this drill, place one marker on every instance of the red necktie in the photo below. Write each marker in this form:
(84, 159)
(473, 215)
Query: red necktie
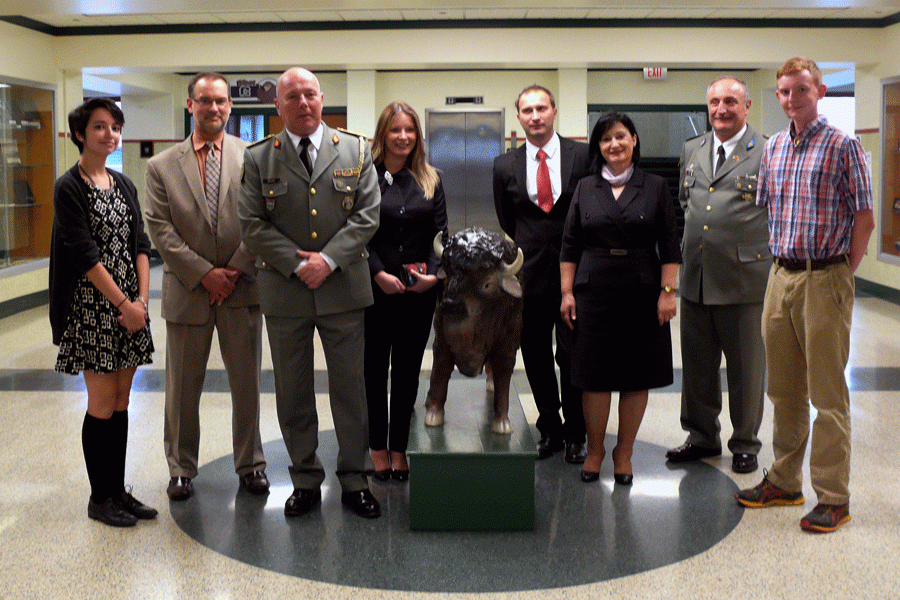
(544, 190)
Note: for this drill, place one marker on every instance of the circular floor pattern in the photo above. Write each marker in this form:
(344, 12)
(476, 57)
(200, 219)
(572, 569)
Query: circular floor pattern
(583, 533)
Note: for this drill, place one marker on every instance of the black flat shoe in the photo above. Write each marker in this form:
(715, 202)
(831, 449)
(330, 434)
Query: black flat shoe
(589, 476)
(110, 513)
(135, 507)
(382, 475)
(623, 478)
(400, 474)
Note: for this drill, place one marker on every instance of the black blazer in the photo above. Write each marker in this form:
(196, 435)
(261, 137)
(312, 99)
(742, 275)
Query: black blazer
(624, 241)
(537, 233)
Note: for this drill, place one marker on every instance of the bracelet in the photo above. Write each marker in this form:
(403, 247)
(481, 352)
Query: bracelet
(144, 302)
(122, 302)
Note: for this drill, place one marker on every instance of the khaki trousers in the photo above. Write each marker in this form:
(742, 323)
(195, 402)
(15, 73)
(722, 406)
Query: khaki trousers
(806, 329)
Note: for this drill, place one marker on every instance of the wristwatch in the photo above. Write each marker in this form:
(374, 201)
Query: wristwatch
(669, 288)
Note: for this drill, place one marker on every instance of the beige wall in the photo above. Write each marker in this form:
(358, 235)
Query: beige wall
(459, 62)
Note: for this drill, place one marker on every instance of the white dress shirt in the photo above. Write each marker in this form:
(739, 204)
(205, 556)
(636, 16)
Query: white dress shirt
(553, 163)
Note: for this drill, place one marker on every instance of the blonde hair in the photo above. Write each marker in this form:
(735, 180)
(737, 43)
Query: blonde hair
(798, 64)
(426, 176)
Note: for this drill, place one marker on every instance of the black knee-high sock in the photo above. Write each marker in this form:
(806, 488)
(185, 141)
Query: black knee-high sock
(117, 453)
(95, 444)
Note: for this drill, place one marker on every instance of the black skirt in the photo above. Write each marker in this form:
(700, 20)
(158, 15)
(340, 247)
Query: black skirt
(618, 344)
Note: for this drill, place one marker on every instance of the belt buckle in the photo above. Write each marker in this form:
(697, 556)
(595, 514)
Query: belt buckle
(618, 252)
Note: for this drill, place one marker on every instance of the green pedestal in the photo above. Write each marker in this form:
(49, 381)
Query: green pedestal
(464, 477)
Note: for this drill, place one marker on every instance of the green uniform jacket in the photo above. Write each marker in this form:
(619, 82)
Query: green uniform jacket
(282, 209)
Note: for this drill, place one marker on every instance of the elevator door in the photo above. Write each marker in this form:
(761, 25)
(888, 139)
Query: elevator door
(463, 144)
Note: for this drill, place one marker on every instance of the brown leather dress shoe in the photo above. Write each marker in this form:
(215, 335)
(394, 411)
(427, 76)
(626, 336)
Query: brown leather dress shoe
(255, 482)
(180, 488)
(575, 452)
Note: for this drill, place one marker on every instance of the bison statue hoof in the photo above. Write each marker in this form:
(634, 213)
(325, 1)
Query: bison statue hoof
(501, 426)
(434, 418)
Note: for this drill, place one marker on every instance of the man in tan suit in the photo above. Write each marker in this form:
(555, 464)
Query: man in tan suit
(209, 282)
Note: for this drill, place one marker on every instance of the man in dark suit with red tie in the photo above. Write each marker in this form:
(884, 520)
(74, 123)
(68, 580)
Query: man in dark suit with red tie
(533, 188)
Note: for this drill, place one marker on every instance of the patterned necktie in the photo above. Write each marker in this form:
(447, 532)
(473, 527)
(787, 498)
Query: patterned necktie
(720, 160)
(304, 154)
(544, 190)
(213, 171)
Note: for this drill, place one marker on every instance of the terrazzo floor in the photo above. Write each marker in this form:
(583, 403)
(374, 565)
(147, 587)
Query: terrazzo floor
(50, 549)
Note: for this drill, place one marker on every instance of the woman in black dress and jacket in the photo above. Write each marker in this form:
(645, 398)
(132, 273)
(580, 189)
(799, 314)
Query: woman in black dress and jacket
(99, 282)
(398, 324)
(619, 268)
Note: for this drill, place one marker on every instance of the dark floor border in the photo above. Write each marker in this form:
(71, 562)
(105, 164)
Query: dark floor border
(9, 308)
(882, 292)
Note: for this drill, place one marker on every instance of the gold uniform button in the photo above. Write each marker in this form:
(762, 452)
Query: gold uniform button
(313, 212)
(712, 189)
(314, 235)
(349, 189)
(759, 256)
(708, 208)
(701, 246)
(312, 190)
(706, 228)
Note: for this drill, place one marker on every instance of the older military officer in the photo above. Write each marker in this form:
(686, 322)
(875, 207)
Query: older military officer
(723, 280)
(308, 205)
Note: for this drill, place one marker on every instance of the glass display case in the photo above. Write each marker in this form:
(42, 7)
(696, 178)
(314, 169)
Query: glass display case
(27, 172)
(889, 247)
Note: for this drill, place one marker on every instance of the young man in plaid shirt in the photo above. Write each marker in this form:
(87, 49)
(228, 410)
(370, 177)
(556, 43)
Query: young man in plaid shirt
(815, 182)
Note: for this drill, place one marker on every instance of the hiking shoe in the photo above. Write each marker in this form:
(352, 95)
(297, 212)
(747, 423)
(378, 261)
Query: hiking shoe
(768, 494)
(825, 518)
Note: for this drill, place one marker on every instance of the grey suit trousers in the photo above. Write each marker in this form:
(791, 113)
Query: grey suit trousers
(708, 331)
(291, 340)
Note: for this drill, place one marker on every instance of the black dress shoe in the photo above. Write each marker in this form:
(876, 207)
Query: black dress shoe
(255, 482)
(744, 463)
(382, 475)
(548, 446)
(623, 478)
(362, 502)
(135, 507)
(575, 453)
(180, 488)
(589, 476)
(400, 474)
(111, 513)
(302, 501)
(688, 452)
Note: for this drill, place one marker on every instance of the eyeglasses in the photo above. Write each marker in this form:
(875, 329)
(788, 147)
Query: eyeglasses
(207, 102)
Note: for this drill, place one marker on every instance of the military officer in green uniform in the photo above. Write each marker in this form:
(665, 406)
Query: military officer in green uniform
(724, 272)
(308, 206)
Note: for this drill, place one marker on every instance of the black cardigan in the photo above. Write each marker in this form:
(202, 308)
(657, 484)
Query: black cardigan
(73, 251)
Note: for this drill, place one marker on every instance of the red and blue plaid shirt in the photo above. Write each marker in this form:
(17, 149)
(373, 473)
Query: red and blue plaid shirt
(813, 183)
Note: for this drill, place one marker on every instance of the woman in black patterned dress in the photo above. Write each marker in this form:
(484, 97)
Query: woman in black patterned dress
(99, 282)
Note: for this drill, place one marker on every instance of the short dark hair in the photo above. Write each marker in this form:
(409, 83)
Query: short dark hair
(79, 117)
(207, 75)
(536, 88)
(606, 122)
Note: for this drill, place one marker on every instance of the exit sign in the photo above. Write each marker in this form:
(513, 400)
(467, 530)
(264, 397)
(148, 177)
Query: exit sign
(655, 72)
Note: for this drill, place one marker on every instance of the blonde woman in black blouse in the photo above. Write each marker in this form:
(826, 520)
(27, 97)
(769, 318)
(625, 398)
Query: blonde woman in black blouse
(398, 324)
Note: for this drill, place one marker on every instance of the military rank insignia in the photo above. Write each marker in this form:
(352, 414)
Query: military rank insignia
(335, 139)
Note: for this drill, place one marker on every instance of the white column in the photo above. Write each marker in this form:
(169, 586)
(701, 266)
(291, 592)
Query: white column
(361, 110)
(572, 120)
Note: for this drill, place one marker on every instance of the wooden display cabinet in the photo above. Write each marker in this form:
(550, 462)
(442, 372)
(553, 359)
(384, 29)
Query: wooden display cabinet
(27, 172)
(890, 158)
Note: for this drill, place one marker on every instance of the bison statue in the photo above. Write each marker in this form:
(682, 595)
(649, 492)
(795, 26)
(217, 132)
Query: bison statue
(478, 319)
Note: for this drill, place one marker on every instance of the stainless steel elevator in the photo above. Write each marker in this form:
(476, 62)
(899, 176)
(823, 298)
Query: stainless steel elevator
(462, 143)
